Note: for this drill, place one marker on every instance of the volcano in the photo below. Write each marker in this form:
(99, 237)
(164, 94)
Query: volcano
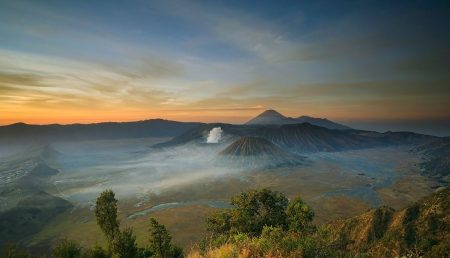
(249, 151)
(273, 117)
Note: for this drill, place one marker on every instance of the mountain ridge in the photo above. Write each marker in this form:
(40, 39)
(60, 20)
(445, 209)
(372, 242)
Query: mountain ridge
(97, 131)
(302, 138)
(272, 116)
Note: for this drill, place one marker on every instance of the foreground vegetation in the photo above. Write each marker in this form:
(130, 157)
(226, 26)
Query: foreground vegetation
(264, 223)
(422, 230)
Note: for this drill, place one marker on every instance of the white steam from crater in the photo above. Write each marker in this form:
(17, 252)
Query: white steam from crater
(214, 135)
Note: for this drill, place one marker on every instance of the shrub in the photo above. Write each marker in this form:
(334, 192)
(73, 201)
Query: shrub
(96, 252)
(66, 249)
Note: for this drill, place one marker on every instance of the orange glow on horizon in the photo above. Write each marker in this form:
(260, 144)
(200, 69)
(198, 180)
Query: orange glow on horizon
(237, 116)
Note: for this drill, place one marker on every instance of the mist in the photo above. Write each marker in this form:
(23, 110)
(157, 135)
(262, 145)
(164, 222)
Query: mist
(133, 172)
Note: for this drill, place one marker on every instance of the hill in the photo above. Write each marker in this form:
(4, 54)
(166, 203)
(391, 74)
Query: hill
(25, 207)
(272, 117)
(257, 152)
(30, 216)
(21, 132)
(423, 228)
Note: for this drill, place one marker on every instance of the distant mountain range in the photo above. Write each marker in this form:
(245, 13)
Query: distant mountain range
(303, 138)
(272, 117)
(99, 131)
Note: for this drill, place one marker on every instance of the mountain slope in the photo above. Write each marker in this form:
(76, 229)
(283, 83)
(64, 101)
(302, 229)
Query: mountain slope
(323, 122)
(423, 228)
(258, 152)
(272, 117)
(29, 217)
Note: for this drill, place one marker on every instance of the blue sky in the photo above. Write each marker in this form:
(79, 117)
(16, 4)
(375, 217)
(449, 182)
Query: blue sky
(352, 61)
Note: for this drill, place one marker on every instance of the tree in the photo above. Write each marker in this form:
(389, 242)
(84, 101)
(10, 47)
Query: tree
(299, 215)
(124, 244)
(106, 214)
(258, 208)
(67, 249)
(219, 223)
(160, 239)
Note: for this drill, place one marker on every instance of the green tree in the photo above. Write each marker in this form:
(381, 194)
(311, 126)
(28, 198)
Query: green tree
(219, 223)
(258, 208)
(124, 244)
(299, 215)
(160, 240)
(66, 249)
(106, 214)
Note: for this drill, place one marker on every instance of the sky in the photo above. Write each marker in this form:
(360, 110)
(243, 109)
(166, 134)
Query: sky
(369, 64)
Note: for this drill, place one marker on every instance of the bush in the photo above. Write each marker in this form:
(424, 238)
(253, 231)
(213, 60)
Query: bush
(67, 249)
(96, 252)
(258, 208)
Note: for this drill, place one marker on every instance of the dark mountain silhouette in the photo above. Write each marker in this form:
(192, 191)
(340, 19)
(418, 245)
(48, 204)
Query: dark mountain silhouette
(272, 117)
(301, 138)
(110, 130)
(258, 152)
(323, 122)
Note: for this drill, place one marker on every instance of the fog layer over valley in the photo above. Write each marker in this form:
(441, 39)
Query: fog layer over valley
(182, 179)
(131, 170)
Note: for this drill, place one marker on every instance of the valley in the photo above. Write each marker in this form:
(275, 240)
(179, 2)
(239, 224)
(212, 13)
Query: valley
(182, 185)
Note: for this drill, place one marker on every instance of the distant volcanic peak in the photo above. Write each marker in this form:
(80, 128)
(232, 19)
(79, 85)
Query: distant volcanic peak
(272, 117)
(269, 117)
(271, 112)
(252, 146)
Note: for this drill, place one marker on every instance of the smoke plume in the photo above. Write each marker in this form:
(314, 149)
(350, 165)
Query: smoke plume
(214, 135)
